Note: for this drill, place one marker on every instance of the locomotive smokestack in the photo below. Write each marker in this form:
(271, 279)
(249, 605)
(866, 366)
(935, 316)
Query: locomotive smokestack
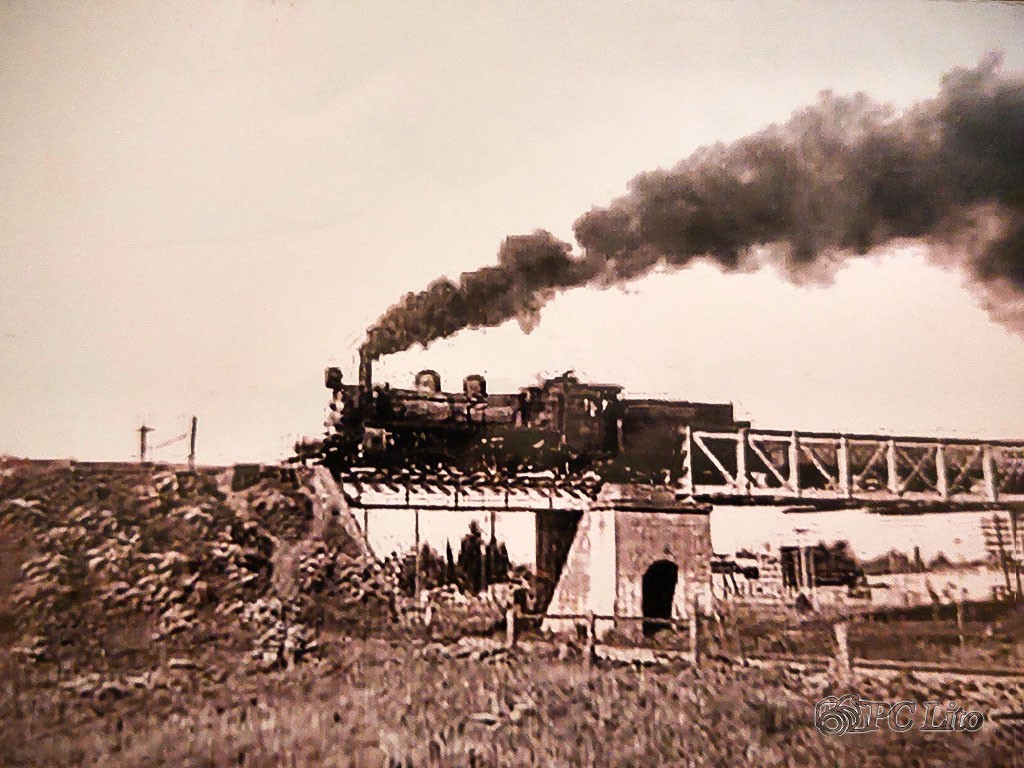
(365, 370)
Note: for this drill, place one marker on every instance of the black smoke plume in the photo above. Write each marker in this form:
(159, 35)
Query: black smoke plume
(531, 269)
(838, 179)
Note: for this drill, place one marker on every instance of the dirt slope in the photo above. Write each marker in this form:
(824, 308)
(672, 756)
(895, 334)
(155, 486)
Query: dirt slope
(131, 561)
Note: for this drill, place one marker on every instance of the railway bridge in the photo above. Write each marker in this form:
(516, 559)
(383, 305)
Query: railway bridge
(639, 549)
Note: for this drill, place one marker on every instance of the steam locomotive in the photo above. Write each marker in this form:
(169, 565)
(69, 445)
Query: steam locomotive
(562, 425)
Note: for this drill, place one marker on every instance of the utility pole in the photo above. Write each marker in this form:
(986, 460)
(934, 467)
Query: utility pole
(1016, 549)
(192, 446)
(143, 431)
(1002, 551)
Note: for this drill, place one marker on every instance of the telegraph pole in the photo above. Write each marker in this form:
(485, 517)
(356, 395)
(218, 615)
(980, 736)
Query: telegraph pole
(192, 446)
(143, 431)
(1017, 548)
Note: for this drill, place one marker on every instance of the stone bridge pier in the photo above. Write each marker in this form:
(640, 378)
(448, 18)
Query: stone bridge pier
(638, 552)
(633, 552)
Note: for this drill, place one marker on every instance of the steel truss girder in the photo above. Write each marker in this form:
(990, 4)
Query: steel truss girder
(873, 468)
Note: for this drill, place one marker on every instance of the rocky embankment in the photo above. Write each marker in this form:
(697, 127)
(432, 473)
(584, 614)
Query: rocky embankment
(127, 563)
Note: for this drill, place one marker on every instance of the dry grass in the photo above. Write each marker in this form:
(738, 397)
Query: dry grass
(993, 635)
(379, 703)
(106, 693)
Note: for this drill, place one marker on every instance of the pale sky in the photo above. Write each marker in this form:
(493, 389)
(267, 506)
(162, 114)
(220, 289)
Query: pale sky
(204, 204)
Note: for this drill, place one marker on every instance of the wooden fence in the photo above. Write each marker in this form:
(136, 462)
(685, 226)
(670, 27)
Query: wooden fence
(841, 662)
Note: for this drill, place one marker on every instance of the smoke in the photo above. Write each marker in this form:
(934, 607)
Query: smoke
(838, 179)
(531, 269)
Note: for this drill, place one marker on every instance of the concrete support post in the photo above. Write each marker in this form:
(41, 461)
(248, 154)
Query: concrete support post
(688, 461)
(941, 478)
(892, 468)
(794, 464)
(988, 468)
(742, 481)
(843, 669)
(843, 462)
(510, 626)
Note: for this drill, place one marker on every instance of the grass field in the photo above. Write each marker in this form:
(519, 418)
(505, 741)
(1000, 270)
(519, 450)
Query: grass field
(380, 703)
(114, 585)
